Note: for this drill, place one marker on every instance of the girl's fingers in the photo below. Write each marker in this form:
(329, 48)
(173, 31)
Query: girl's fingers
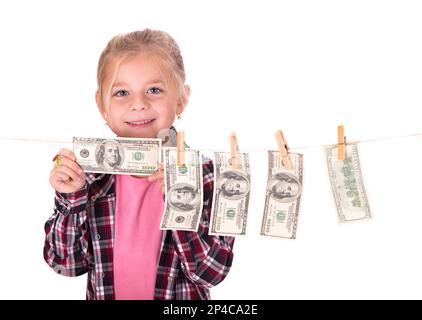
(153, 177)
(61, 177)
(157, 175)
(67, 153)
(71, 165)
(69, 172)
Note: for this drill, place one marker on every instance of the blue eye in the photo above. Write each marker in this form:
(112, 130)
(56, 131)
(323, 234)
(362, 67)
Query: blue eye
(154, 90)
(121, 93)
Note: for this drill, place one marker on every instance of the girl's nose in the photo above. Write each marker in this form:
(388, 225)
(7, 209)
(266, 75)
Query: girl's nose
(138, 104)
(135, 107)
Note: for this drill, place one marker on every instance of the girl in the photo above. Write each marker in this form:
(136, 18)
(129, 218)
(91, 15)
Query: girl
(108, 225)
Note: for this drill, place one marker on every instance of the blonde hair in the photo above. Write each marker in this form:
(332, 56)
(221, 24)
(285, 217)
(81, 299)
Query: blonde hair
(156, 44)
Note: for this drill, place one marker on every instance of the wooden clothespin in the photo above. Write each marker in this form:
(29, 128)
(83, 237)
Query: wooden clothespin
(180, 148)
(284, 150)
(233, 150)
(341, 143)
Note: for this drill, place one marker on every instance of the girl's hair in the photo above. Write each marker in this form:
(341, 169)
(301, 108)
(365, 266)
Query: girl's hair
(155, 44)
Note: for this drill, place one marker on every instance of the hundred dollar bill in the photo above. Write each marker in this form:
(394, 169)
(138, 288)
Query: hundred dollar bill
(231, 195)
(168, 137)
(347, 184)
(184, 191)
(282, 200)
(134, 156)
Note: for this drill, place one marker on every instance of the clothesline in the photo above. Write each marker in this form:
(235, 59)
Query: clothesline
(247, 150)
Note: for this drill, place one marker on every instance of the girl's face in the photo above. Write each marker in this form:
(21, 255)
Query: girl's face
(142, 100)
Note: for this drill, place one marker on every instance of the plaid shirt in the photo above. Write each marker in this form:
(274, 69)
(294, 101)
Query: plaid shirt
(80, 235)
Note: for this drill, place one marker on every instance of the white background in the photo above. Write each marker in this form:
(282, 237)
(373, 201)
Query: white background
(254, 67)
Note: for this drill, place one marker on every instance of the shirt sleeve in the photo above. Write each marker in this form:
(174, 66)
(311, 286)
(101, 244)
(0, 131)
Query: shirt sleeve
(67, 234)
(205, 259)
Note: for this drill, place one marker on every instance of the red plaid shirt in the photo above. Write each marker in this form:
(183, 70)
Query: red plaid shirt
(80, 234)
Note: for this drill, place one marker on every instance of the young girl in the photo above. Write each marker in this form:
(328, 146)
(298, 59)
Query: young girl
(108, 225)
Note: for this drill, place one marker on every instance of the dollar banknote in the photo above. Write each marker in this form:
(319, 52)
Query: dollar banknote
(347, 184)
(132, 156)
(282, 200)
(168, 137)
(231, 195)
(184, 191)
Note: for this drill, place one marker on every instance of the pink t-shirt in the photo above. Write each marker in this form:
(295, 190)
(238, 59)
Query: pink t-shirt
(137, 238)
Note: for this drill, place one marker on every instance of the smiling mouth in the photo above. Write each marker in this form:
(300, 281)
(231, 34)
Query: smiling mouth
(140, 122)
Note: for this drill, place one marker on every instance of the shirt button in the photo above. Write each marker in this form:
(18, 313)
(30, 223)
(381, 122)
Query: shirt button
(93, 198)
(98, 236)
(102, 274)
(59, 269)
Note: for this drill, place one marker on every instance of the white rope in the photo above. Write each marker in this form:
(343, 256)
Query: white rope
(34, 140)
(248, 150)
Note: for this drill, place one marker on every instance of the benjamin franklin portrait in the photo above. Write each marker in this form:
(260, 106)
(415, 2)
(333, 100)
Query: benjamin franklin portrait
(234, 185)
(285, 187)
(109, 155)
(183, 197)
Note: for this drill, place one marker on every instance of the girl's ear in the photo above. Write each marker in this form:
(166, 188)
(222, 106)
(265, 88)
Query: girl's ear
(100, 106)
(183, 100)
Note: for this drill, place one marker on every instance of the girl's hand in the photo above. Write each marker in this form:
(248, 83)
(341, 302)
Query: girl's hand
(159, 175)
(67, 176)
